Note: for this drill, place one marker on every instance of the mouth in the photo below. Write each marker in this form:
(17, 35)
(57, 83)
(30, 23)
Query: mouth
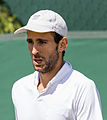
(37, 61)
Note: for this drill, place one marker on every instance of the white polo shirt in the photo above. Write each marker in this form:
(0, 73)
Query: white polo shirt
(68, 96)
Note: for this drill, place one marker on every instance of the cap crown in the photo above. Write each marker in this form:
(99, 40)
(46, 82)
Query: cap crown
(47, 21)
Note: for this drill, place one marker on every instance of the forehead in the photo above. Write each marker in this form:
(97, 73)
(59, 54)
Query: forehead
(47, 35)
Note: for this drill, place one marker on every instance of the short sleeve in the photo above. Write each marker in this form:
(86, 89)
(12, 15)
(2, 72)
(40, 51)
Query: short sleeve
(88, 103)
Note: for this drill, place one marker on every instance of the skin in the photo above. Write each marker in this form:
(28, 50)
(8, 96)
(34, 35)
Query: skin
(46, 55)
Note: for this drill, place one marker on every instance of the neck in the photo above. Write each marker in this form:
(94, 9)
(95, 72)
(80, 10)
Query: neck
(44, 78)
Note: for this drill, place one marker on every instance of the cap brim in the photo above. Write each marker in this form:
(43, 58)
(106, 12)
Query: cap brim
(20, 30)
(38, 28)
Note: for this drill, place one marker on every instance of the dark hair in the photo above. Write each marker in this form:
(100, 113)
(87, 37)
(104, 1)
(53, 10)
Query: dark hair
(57, 38)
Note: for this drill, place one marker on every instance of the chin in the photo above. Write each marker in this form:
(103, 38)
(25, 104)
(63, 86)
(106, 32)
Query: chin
(39, 69)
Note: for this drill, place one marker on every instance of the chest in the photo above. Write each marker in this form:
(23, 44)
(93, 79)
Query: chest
(55, 105)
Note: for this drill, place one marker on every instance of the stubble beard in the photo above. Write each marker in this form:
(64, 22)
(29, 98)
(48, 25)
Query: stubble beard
(51, 63)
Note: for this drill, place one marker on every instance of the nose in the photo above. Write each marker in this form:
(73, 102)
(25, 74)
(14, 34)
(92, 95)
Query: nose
(35, 49)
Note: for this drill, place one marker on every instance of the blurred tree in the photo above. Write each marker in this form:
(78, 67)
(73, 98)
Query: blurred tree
(8, 22)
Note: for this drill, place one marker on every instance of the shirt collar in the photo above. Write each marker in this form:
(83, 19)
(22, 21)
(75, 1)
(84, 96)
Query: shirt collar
(62, 73)
(66, 69)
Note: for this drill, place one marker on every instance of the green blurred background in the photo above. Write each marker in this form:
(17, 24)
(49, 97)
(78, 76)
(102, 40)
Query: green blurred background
(79, 14)
(87, 50)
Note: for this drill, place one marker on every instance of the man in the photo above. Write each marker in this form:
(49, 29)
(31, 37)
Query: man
(54, 91)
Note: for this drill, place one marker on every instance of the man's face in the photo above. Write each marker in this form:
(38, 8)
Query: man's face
(43, 50)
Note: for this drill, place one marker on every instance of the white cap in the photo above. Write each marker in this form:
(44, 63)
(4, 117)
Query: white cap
(45, 21)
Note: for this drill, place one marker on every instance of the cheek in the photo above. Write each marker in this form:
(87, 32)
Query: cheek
(51, 51)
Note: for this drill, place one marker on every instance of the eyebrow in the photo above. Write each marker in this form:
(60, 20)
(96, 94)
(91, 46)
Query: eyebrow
(38, 39)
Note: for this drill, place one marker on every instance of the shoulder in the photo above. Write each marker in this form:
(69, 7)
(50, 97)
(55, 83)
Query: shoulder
(81, 78)
(76, 79)
(24, 81)
(22, 86)
(84, 87)
(81, 82)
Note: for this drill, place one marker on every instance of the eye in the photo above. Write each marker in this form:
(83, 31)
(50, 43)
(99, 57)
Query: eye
(29, 41)
(40, 41)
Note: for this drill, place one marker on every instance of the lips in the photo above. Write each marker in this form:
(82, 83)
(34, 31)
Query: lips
(38, 61)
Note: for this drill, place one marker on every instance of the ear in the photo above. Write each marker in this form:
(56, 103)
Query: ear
(63, 44)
